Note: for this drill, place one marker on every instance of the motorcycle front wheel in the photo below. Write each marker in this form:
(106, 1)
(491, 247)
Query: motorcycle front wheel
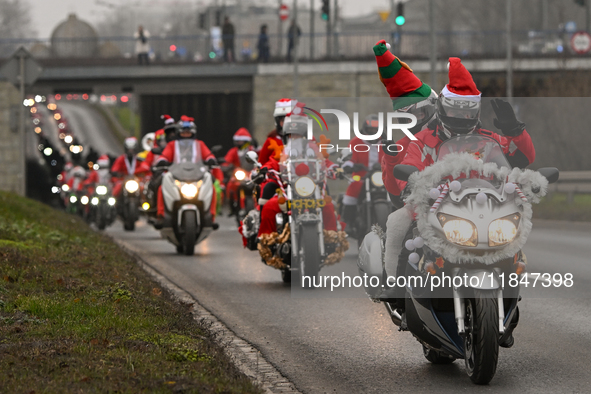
(481, 342)
(189, 234)
(101, 217)
(129, 216)
(309, 258)
(286, 275)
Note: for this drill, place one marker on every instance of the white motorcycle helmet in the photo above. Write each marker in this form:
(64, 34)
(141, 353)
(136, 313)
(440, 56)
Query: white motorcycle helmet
(148, 141)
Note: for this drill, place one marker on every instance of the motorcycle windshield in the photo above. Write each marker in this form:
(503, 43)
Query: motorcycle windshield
(302, 158)
(482, 148)
(187, 172)
(187, 151)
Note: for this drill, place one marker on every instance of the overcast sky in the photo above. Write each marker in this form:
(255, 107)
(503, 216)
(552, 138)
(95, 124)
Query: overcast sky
(46, 14)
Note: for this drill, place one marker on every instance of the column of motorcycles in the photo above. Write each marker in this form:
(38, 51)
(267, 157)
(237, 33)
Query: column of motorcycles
(458, 322)
(473, 216)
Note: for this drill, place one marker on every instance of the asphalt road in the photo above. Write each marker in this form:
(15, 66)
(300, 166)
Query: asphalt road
(347, 344)
(89, 128)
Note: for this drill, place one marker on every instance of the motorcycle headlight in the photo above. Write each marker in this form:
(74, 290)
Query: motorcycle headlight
(240, 175)
(111, 201)
(376, 179)
(132, 186)
(94, 201)
(503, 230)
(304, 186)
(84, 200)
(146, 206)
(458, 231)
(73, 199)
(101, 190)
(65, 187)
(189, 190)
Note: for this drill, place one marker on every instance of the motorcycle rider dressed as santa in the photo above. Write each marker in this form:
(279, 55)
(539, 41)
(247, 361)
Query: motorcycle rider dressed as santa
(457, 113)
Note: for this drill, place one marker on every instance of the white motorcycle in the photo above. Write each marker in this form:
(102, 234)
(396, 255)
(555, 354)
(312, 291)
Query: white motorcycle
(462, 264)
(187, 189)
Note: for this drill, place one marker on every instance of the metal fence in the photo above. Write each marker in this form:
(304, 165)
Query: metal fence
(355, 45)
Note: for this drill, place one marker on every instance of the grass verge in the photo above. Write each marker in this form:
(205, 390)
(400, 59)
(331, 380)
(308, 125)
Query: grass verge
(555, 206)
(78, 315)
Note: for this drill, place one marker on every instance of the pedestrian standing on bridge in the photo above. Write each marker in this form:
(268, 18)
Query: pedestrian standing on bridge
(263, 45)
(293, 36)
(142, 47)
(228, 40)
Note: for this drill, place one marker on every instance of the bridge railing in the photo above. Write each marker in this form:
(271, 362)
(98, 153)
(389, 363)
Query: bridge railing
(356, 45)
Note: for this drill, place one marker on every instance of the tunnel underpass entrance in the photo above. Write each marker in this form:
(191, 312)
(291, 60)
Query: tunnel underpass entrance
(217, 115)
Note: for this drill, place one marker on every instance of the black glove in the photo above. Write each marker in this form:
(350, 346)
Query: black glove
(347, 169)
(162, 163)
(156, 151)
(211, 162)
(385, 146)
(376, 167)
(506, 121)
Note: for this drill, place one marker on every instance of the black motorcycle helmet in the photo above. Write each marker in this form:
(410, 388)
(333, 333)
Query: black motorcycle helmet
(170, 131)
(186, 126)
(370, 125)
(423, 110)
(458, 115)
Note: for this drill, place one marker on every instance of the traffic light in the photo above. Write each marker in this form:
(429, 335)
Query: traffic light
(325, 10)
(400, 14)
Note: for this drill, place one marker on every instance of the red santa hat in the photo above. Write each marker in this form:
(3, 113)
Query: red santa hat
(186, 118)
(167, 119)
(461, 85)
(103, 161)
(282, 107)
(242, 135)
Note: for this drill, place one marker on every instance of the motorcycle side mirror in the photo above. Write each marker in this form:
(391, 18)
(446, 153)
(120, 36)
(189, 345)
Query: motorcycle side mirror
(550, 173)
(404, 171)
(252, 157)
(216, 150)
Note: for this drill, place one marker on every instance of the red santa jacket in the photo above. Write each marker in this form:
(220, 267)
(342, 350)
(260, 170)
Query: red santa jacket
(233, 157)
(169, 153)
(421, 153)
(266, 153)
(126, 167)
(388, 162)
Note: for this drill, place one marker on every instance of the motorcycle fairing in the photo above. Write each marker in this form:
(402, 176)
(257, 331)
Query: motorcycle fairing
(453, 165)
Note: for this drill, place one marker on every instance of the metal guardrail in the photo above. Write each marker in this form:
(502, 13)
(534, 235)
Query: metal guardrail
(354, 45)
(572, 182)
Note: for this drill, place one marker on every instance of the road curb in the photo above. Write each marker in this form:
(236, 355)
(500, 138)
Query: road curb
(245, 356)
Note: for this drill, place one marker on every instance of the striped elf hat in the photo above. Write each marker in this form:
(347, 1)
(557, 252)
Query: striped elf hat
(402, 85)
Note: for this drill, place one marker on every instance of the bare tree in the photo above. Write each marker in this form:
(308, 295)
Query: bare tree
(15, 20)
